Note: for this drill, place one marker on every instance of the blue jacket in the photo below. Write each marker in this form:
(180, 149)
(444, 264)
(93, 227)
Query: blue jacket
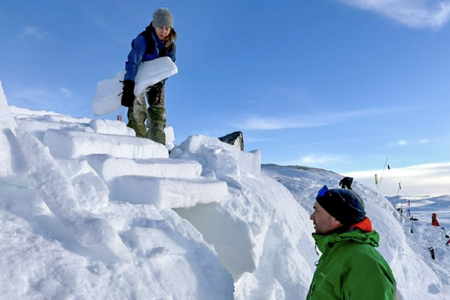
(146, 46)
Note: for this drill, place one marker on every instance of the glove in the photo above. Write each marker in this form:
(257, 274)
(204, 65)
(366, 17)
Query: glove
(128, 93)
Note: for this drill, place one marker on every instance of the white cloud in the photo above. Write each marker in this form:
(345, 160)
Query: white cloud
(406, 143)
(318, 159)
(315, 160)
(413, 13)
(35, 32)
(418, 180)
(67, 93)
(303, 121)
(424, 141)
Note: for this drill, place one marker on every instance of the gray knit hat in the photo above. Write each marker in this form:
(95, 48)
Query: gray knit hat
(162, 17)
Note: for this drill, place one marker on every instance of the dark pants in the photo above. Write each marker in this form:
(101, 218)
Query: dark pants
(155, 114)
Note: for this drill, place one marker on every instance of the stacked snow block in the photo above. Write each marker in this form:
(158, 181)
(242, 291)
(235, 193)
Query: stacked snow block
(233, 161)
(136, 170)
(74, 144)
(170, 192)
(110, 168)
(111, 127)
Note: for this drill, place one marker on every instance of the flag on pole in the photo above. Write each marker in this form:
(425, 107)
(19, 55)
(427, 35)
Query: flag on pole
(376, 179)
(389, 167)
(399, 186)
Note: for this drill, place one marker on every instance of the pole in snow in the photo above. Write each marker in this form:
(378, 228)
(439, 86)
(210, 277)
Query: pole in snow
(379, 184)
(432, 252)
(446, 235)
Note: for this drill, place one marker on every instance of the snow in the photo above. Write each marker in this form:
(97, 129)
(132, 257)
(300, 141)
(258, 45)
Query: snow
(74, 144)
(88, 211)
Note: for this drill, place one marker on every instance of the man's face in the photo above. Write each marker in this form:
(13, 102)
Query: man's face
(323, 221)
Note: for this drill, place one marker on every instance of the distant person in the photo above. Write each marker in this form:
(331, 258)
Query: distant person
(434, 220)
(346, 183)
(157, 40)
(350, 267)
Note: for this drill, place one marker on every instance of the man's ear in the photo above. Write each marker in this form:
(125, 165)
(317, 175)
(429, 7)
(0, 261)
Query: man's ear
(337, 223)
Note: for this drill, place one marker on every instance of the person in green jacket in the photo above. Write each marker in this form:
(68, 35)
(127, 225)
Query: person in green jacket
(350, 267)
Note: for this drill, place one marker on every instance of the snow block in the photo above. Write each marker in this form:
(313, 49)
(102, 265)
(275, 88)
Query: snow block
(12, 163)
(73, 144)
(168, 192)
(39, 125)
(57, 192)
(111, 127)
(91, 191)
(109, 167)
(225, 159)
(108, 95)
(170, 137)
(5, 112)
(11, 160)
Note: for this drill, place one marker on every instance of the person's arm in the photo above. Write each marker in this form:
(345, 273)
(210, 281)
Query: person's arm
(134, 59)
(172, 52)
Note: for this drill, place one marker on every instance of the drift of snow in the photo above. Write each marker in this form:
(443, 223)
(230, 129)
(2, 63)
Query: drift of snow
(88, 211)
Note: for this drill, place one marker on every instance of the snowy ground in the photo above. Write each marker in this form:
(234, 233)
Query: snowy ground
(88, 211)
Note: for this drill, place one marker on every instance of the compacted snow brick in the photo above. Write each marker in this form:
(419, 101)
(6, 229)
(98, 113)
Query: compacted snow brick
(74, 144)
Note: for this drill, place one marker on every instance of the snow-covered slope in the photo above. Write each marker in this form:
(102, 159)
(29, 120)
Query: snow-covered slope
(89, 214)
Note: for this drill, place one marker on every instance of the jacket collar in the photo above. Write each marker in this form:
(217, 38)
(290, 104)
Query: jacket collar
(361, 233)
(365, 225)
(151, 29)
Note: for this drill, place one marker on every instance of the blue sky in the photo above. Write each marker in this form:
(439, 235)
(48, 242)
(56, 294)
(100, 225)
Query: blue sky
(335, 84)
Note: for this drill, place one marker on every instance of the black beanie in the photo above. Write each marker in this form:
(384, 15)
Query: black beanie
(346, 206)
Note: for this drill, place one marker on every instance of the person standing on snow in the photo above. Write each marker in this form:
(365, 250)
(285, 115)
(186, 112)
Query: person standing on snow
(157, 40)
(350, 267)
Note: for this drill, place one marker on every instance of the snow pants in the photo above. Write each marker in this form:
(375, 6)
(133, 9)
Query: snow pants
(155, 114)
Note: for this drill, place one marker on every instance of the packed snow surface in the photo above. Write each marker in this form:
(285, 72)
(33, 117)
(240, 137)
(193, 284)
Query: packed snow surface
(88, 211)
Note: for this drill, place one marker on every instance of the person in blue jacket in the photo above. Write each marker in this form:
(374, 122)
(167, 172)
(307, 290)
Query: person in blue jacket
(157, 40)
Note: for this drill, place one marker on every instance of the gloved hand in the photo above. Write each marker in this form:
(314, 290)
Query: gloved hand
(128, 93)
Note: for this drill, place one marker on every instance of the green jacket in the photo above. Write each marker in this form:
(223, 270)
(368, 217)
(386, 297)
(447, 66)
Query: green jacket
(351, 268)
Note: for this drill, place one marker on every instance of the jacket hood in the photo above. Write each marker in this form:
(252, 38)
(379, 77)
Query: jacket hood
(150, 28)
(361, 233)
